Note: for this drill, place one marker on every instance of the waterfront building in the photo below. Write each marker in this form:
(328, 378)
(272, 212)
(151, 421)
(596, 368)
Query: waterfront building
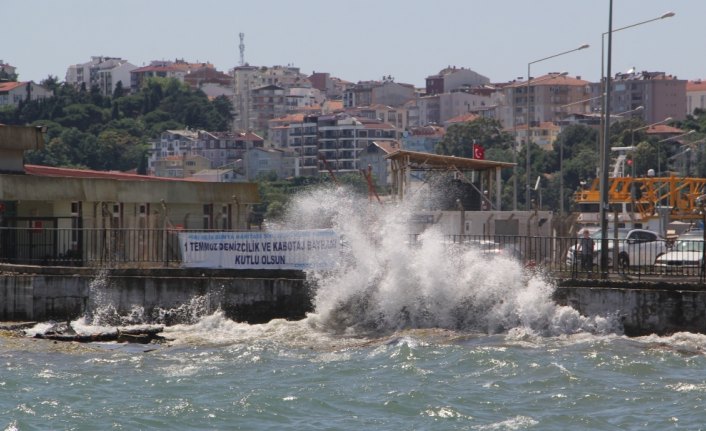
(57, 213)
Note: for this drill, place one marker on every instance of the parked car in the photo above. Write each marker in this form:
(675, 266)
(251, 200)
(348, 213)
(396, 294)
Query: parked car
(636, 247)
(687, 256)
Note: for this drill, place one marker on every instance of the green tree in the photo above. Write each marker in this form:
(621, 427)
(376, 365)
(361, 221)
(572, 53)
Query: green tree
(459, 138)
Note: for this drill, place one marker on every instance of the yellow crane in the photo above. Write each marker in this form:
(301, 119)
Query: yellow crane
(643, 197)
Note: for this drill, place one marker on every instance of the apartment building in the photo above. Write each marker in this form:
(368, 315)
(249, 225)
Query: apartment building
(101, 72)
(178, 69)
(297, 132)
(396, 116)
(453, 78)
(330, 86)
(342, 138)
(695, 96)
(7, 71)
(385, 92)
(543, 134)
(422, 139)
(282, 162)
(217, 148)
(661, 95)
(248, 79)
(551, 97)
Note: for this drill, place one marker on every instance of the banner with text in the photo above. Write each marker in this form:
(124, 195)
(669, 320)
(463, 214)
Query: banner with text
(302, 249)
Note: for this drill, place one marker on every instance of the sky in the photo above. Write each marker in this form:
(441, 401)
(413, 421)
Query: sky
(360, 40)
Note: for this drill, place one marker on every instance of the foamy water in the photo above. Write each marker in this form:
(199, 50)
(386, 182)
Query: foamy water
(404, 335)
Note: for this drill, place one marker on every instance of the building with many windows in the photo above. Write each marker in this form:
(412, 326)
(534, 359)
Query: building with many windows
(209, 150)
(453, 78)
(551, 98)
(695, 96)
(342, 138)
(661, 95)
(101, 72)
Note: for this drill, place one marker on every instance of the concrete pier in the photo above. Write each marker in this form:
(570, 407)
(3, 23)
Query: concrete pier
(57, 293)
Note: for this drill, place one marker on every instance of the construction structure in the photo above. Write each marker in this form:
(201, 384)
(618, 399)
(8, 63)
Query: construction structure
(461, 196)
(646, 202)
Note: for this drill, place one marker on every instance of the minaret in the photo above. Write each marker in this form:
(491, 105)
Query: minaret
(242, 48)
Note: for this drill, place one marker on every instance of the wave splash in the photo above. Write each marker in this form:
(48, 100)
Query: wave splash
(386, 282)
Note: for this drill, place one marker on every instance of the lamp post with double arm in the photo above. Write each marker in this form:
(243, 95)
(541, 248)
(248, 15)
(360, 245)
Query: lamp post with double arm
(605, 146)
(527, 118)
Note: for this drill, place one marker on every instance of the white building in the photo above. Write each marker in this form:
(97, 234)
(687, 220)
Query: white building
(219, 148)
(12, 93)
(695, 96)
(249, 78)
(263, 161)
(102, 72)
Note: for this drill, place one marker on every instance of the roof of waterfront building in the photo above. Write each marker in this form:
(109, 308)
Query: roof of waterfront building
(50, 171)
(428, 161)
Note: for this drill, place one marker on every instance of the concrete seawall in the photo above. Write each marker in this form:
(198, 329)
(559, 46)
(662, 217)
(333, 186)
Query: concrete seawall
(56, 293)
(40, 293)
(644, 307)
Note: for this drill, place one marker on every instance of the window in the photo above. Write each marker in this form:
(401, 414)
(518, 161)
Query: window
(208, 216)
(225, 217)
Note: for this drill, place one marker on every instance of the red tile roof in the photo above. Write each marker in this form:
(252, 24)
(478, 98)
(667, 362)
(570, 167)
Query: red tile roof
(8, 86)
(552, 79)
(663, 129)
(697, 85)
(463, 118)
(376, 125)
(156, 69)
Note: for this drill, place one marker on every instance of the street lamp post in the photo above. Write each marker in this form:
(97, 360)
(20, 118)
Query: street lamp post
(632, 131)
(603, 183)
(527, 119)
(515, 146)
(659, 156)
(561, 157)
(605, 81)
(632, 137)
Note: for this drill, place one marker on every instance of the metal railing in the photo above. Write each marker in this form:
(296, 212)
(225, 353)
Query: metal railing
(558, 256)
(563, 257)
(89, 247)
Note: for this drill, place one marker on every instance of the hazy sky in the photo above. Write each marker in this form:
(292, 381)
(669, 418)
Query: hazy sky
(358, 40)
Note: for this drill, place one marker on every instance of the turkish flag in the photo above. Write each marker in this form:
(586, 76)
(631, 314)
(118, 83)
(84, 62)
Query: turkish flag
(478, 152)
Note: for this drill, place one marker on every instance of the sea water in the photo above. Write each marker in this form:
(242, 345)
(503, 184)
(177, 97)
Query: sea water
(404, 336)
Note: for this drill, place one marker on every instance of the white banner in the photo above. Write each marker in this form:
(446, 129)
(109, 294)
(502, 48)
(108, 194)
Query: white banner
(305, 249)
